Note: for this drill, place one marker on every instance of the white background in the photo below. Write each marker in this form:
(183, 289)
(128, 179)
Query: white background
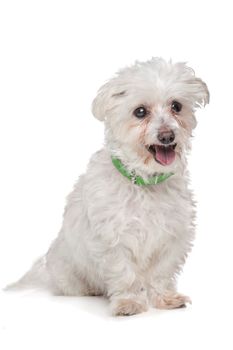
(54, 56)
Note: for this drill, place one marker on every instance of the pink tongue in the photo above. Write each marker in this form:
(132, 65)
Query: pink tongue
(165, 155)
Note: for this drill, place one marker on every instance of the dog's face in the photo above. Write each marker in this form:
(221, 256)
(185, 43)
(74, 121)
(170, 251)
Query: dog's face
(149, 113)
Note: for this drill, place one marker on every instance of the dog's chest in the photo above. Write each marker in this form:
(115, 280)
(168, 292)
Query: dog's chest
(153, 220)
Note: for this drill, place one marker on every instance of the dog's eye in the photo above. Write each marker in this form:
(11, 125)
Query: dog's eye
(140, 112)
(176, 106)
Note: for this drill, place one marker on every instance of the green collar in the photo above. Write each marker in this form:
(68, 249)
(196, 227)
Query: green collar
(138, 180)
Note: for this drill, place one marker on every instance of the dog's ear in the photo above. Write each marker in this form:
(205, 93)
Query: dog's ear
(107, 98)
(202, 93)
(199, 91)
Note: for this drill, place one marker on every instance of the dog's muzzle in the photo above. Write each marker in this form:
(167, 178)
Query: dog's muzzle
(166, 137)
(164, 155)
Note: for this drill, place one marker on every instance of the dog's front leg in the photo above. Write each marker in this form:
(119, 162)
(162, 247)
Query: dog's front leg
(161, 279)
(163, 295)
(129, 302)
(123, 286)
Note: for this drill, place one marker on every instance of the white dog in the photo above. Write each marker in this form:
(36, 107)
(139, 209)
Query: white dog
(128, 224)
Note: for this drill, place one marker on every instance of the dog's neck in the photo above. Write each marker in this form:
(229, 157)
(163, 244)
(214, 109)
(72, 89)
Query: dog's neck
(138, 180)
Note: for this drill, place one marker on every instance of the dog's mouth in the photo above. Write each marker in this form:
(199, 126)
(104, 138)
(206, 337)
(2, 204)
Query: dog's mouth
(164, 155)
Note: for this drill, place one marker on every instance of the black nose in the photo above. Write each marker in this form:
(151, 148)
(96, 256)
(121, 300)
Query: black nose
(166, 137)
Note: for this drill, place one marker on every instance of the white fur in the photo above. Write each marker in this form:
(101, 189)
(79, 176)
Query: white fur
(118, 239)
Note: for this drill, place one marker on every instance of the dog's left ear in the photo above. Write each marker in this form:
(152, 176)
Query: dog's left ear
(200, 92)
(107, 98)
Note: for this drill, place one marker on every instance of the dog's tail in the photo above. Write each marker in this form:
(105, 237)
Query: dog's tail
(36, 277)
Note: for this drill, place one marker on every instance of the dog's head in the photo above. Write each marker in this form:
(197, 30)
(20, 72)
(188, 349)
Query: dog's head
(148, 111)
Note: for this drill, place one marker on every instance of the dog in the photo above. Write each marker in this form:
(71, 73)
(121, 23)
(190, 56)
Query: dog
(129, 222)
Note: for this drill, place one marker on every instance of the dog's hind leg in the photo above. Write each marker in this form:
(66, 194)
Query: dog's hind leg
(65, 277)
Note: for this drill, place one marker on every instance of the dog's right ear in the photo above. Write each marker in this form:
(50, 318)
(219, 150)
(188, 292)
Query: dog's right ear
(106, 99)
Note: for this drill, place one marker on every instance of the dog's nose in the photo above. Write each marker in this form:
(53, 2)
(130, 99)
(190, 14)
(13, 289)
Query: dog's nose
(166, 137)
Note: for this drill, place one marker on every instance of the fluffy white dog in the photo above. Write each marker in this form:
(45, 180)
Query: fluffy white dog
(128, 224)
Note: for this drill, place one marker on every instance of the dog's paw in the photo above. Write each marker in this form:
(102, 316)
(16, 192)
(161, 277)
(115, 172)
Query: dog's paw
(170, 300)
(128, 307)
